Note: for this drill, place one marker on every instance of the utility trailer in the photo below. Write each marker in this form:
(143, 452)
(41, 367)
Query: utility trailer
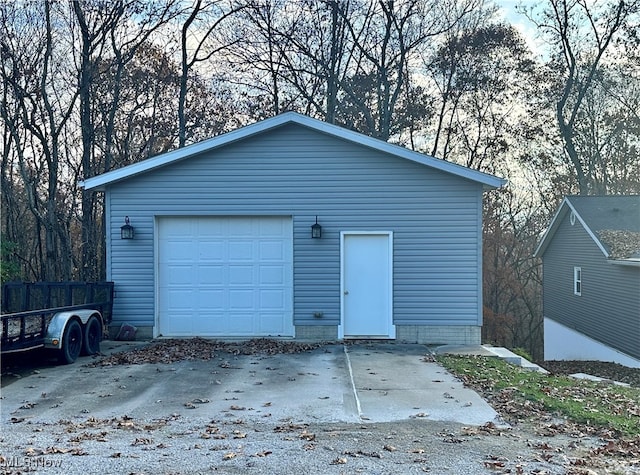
(68, 318)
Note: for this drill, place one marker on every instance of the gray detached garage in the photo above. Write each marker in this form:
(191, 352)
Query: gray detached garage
(222, 243)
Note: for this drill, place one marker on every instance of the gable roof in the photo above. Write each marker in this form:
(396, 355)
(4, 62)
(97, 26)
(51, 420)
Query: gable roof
(100, 182)
(613, 222)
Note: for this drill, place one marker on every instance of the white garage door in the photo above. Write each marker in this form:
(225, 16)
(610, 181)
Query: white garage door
(225, 276)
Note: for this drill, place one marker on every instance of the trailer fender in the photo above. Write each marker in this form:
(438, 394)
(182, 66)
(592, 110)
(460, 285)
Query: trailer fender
(59, 323)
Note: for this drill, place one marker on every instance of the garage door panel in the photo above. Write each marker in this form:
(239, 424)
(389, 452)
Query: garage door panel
(211, 250)
(180, 324)
(273, 228)
(241, 275)
(225, 276)
(211, 228)
(241, 323)
(272, 299)
(180, 274)
(177, 250)
(268, 321)
(173, 299)
(272, 250)
(238, 226)
(241, 299)
(240, 250)
(211, 300)
(271, 275)
(210, 323)
(211, 274)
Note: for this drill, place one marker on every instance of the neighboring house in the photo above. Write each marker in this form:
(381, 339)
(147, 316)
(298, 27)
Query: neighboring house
(223, 244)
(591, 272)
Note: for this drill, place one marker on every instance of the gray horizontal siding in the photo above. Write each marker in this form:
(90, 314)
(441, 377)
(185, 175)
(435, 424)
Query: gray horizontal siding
(435, 218)
(608, 310)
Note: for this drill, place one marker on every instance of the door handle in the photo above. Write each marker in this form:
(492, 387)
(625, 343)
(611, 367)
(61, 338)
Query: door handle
(346, 292)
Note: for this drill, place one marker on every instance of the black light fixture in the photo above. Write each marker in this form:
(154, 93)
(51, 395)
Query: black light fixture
(316, 230)
(126, 231)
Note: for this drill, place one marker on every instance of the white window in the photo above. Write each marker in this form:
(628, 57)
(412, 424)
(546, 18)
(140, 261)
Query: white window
(577, 281)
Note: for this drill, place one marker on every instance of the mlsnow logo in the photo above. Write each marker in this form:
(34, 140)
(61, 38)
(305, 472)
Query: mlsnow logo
(29, 463)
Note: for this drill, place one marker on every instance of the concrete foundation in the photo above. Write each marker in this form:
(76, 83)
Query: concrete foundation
(439, 335)
(317, 332)
(427, 335)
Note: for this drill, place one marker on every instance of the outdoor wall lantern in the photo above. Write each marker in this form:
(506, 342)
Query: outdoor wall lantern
(316, 230)
(126, 231)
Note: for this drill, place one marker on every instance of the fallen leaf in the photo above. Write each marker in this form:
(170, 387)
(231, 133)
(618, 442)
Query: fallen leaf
(308, 436)
(142, 441)
(360, 453)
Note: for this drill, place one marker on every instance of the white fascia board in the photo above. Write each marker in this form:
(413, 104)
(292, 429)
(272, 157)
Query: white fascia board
(100, 181)
(555, 222)
(589, 231)
(546, 237)
(486, 179)
(631, 261)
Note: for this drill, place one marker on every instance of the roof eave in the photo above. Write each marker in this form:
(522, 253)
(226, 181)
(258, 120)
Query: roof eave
(555, 223)
(632, 261)
(99, 182)
(551, 229)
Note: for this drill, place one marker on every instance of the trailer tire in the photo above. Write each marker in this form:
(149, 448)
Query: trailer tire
(92, 337)
(71, 343)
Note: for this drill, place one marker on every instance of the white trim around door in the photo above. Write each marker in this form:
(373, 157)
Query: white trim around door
(366, 285)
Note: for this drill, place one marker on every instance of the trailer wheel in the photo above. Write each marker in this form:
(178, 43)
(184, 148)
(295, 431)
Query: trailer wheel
(92, 337)
(71, 343)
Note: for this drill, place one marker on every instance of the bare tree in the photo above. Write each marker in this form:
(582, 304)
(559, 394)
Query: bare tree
(482, 75)
(96, 22)
(582, 35)
(126, 44)
(49, 105)
(608, 132)
(383, 43)
(107, 45)
(35, 111)
(349, 62)
(198, 43)
(512, 278)
(260, 47)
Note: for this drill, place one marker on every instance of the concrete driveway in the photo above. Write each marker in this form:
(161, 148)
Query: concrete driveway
(368, 382)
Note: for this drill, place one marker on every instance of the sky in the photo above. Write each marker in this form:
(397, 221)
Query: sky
(508, 11)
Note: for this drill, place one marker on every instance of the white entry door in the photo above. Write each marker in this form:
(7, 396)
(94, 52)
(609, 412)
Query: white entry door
(227, 276)
(367, 270)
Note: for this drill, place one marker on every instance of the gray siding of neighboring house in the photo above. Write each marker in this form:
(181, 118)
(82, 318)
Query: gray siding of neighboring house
(608, 310)
(294, 171)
